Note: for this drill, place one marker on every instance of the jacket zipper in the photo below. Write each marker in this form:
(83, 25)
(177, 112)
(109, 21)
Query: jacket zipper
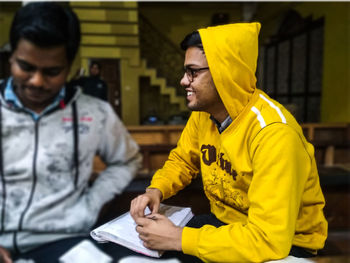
(20, 225)
(3, 182)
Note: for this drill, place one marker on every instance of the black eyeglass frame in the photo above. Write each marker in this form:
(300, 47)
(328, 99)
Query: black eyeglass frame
(191, 73)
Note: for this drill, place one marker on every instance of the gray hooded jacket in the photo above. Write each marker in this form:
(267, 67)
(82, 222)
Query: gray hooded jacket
(45, 167)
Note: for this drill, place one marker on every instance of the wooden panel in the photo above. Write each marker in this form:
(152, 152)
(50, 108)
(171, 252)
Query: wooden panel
(325, 131)
(337, 210)
(153, 135)
(157, 161)
(174, 137)
(331, 142)
(148, 138)
(342, 156)
(336, 135)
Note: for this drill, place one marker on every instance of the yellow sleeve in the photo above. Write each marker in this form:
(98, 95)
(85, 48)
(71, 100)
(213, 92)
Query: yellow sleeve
(182, 164)
(281, 165)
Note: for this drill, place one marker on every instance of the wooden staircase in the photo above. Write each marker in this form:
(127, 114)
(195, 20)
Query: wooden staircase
(164, 88)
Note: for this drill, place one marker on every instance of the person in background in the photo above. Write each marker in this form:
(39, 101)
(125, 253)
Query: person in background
(93, 85)
(50, 134)
(258, 171)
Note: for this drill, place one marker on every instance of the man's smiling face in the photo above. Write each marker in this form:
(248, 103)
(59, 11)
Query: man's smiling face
(201, 91)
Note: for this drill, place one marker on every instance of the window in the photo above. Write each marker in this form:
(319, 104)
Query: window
(291, 69)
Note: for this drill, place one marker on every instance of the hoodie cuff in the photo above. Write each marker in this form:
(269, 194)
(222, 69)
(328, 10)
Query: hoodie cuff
(189, 241)
(161, 187)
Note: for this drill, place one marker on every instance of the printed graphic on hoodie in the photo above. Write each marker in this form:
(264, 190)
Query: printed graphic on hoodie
(219, 184)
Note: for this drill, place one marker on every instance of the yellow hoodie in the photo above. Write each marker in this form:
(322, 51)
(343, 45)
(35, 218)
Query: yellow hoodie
(259, 174)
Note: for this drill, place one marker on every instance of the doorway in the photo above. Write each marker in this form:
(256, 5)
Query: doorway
(110, 73)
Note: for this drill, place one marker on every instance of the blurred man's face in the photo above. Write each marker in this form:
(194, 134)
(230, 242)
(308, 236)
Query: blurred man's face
(38, 73)
(94, 70)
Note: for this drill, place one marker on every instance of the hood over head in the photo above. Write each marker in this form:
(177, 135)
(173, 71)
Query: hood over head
(232, 52)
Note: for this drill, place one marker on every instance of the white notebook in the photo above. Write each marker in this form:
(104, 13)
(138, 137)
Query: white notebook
(121, 230)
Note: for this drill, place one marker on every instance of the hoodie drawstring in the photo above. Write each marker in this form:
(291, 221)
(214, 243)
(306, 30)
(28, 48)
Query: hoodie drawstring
(76, 142)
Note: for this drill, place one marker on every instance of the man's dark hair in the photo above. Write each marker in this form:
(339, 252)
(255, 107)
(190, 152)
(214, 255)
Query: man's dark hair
(46, 24)
(192, 40)
(95, 62)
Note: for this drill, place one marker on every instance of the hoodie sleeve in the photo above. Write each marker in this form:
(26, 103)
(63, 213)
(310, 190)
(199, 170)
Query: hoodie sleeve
(281, 165)
(121, 155)
(182, 164)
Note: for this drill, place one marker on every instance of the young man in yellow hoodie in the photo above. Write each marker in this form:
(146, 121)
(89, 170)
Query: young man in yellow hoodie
(259, 172)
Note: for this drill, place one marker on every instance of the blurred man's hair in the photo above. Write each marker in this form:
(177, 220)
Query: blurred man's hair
(46, 24)
(192, 40)
(95, 62)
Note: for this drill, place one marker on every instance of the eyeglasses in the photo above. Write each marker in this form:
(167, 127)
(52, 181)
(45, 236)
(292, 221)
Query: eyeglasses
(191, 73)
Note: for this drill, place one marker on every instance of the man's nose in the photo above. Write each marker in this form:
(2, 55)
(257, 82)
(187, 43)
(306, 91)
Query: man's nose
(184, 82)
(37, 79)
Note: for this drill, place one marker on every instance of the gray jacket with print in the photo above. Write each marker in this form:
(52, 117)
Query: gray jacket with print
(46, 166)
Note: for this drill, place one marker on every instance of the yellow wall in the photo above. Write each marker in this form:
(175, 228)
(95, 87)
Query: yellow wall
(5, 21)
(7, 11)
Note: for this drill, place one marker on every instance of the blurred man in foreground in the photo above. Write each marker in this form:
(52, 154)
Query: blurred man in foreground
(50, 133)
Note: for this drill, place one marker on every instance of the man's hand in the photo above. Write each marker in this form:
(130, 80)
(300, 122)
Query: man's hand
(151, 198)
(159, 233)
(5, 256)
